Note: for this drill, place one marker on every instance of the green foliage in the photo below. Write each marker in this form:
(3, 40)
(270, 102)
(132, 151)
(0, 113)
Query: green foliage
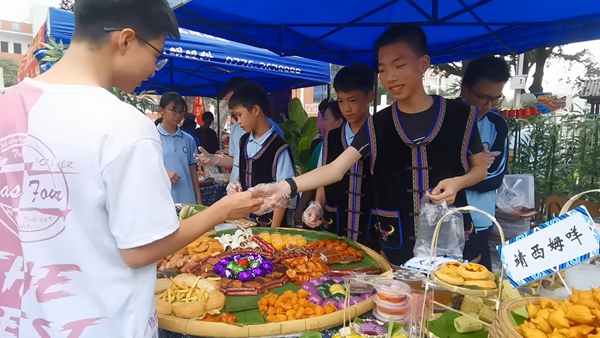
(10, 69)
(54, 51)
(299, 131)
(67, 5)
(562, 153)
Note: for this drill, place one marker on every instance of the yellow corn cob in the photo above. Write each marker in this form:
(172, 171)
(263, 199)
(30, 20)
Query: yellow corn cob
(467, 324)
(487, 314)
(471, 304)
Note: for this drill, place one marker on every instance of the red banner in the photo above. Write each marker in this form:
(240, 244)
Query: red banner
(29, 66)
(198, 109)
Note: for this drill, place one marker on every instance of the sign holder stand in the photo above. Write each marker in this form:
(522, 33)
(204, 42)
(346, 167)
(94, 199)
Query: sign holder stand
(432, 282)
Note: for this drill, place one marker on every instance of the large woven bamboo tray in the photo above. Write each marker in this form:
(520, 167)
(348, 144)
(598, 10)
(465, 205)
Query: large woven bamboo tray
(211, 329)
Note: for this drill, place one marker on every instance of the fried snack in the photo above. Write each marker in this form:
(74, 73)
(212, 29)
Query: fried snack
(162, 284)
(532, 310)
(216, 300)
(163, 307)
(542, 325)
(556, 334)
(547, 303)
(491, 276)
(291, 306)
(528, 332)
(580, 314)
(472, 271)
(482, 284)
(449, 267)
(558, 320)
(450, 278)
(189, 310)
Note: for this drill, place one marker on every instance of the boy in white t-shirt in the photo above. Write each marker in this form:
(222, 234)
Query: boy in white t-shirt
(85, 208)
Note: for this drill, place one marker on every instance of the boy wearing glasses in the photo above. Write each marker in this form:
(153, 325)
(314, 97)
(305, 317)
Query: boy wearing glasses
(87, 207)
(179, 149)
(482, 87)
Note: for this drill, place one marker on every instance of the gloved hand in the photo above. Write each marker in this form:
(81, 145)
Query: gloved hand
(274, 196)
(206, 159)
(313, 215)
(233, 187)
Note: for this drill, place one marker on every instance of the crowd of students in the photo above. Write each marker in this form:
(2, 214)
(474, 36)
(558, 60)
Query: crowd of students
(94, 241)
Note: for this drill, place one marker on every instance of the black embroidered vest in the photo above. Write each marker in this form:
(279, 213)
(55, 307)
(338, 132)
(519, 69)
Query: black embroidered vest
(403, 171)
(262, 167)
(348, 203)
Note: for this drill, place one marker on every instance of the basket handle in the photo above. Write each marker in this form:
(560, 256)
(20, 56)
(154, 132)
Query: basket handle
(469, 208)
(570, 202)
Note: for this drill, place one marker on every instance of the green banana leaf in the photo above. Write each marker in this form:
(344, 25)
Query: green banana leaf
(245, 308)
(443, 327)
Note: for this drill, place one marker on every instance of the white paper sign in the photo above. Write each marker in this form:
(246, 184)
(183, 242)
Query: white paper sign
(553, 246)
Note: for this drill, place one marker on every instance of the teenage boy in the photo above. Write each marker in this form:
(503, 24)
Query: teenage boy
(347, 204)
(418, 143)
(482, 87)
(208, 137)
(263, 156)
(206, 159)
(94, 208)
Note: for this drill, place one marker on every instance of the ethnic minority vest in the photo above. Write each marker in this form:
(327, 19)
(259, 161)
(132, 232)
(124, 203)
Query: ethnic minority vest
(262, 168)
(348, 203)
(404, 170)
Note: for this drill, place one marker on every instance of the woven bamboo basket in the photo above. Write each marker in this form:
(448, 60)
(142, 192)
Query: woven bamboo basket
(210, 329)
(502, 327)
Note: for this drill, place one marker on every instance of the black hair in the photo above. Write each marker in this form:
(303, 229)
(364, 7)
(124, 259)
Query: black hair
(189, 125)
(249, 95)
(189, 116)
(208, 115)
(323, 106)
(410, 34)
(158, 121)
(232, 85)
(177, 100)
(150, 19)
(487, 68)
(356, 77)
(336, 112)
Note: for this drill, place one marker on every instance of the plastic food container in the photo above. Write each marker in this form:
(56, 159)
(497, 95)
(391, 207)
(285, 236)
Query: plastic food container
(413, 278)
(390, 290)
(358, 287)
(386, 318)
(392, 309)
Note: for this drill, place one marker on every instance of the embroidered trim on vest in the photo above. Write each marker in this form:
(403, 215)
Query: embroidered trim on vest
(276, 159)
(251, 159)
(434, 131)
(354, 200)
(324, 148)
(464, 151)
(372, 143)
(344, 140)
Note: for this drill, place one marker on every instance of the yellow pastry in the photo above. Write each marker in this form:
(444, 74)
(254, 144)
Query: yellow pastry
(450, 278)
(449, 267)
(472, 271)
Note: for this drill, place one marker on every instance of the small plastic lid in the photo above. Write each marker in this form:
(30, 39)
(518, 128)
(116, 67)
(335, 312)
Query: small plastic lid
(409, 275)
(395, 291)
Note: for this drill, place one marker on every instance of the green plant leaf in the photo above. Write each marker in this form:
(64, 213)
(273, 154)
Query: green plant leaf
(296, 112)
(444, 327)
(304, 157)
(304, 143)
(310, 128)
(519, 316)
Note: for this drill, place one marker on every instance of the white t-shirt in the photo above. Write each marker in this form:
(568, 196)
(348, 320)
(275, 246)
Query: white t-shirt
(81, 177)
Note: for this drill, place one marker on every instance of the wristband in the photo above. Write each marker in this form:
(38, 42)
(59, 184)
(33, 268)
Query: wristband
(293, 187)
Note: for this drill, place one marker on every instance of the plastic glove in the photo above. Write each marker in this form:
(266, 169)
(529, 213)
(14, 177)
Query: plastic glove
(206, 159)
(313, 215)
(274, 196)
(490, 156)
(233, 187)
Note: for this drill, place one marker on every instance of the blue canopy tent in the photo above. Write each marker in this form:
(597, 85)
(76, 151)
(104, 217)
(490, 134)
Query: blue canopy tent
(199, 63)
(343, 31)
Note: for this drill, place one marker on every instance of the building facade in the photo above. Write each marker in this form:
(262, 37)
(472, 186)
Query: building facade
(15, 38)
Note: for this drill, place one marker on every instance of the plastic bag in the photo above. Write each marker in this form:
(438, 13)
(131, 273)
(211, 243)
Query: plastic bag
(451, 240)
(516, 194)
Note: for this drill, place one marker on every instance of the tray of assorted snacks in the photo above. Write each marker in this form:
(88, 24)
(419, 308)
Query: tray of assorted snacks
(272, 281)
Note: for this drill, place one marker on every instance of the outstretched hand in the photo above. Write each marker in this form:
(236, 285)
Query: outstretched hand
(240, 205)
(313, 215)
(204, 158)
(274, 196)
(446, 190)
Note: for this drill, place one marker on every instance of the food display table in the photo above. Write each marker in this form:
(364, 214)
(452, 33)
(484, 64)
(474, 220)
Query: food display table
(251, 311)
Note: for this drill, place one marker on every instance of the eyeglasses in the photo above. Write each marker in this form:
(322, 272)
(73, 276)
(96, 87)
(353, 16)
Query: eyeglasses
(181, 112)
(496, 101)
(160, 60)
